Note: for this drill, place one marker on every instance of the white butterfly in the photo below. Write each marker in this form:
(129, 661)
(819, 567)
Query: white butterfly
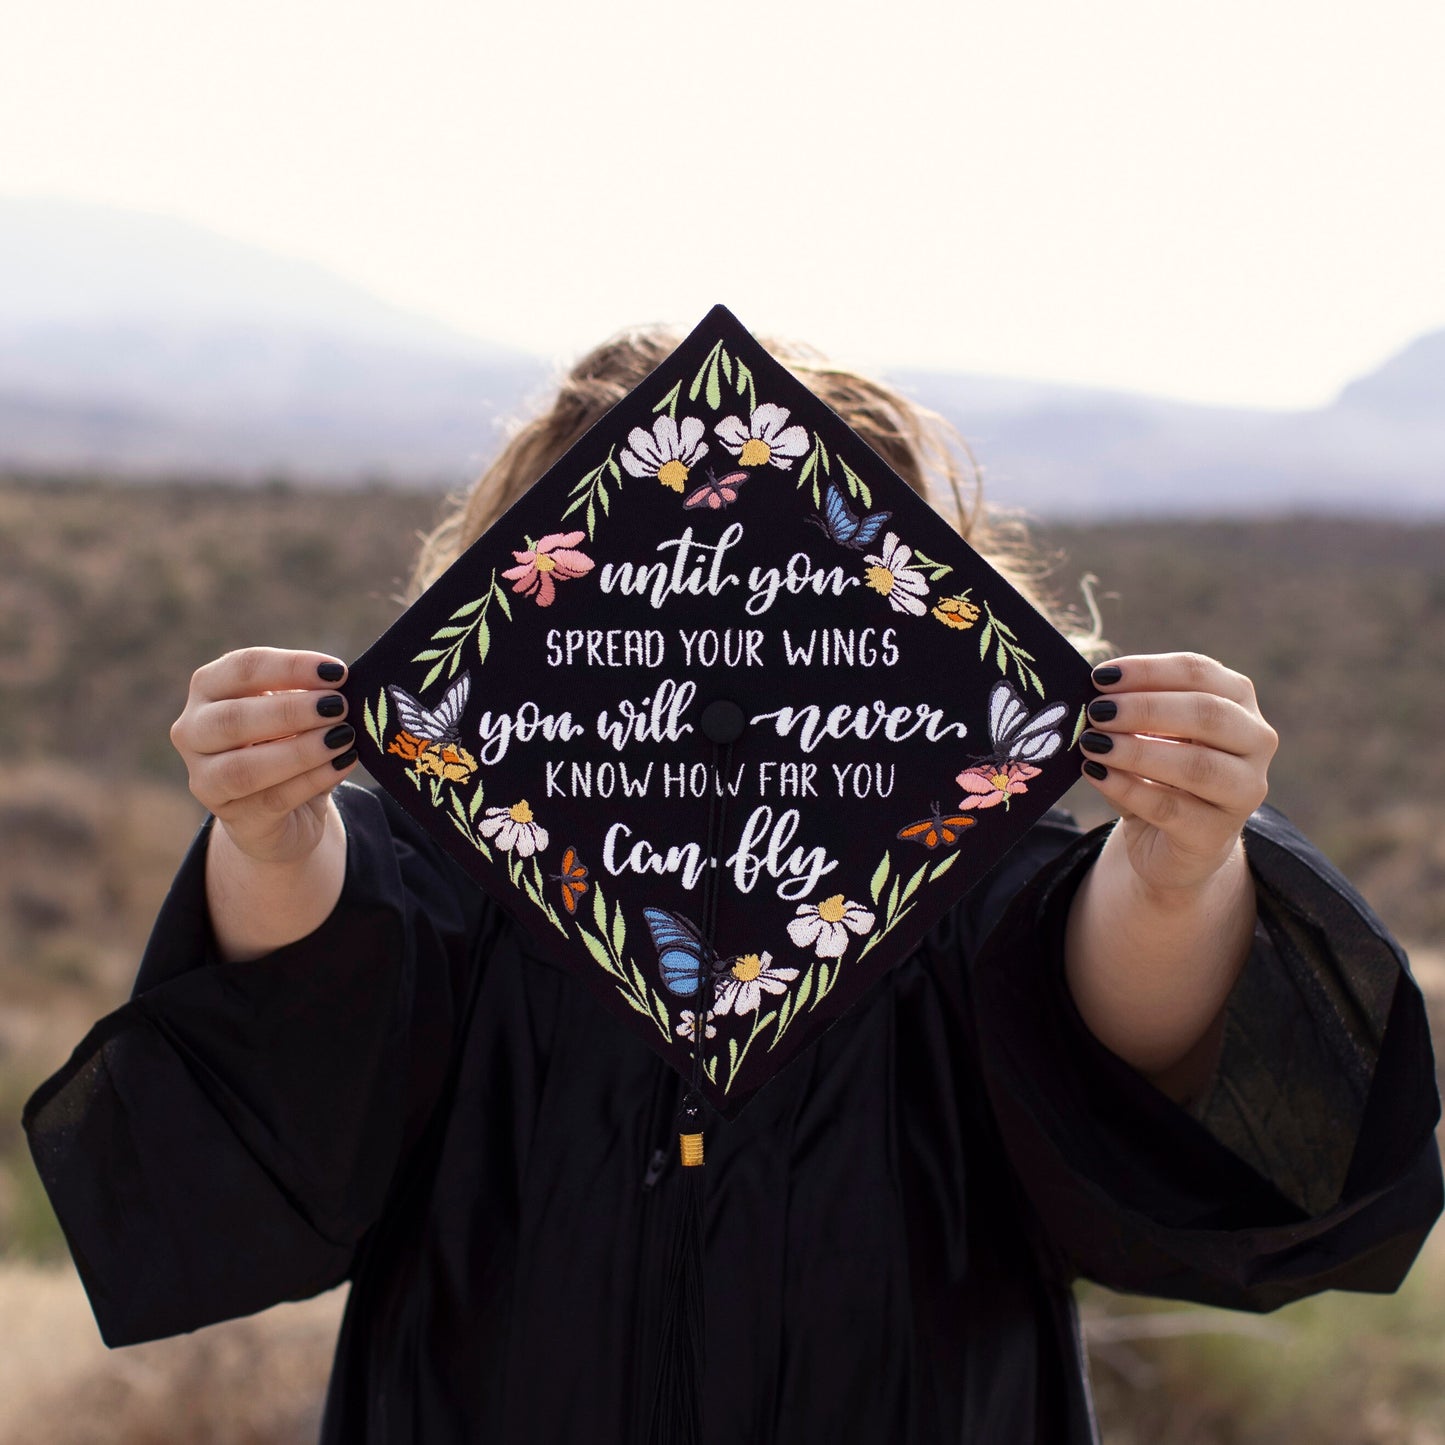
(1017, 737)
(439, 725)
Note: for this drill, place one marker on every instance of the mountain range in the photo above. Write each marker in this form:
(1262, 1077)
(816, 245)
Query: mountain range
(140, 345)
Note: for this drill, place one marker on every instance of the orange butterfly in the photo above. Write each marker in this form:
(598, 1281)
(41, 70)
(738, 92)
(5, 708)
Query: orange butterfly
(936, 829)
(573, 879)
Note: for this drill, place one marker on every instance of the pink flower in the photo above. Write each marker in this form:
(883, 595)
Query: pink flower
(992, 783)
(551, 559)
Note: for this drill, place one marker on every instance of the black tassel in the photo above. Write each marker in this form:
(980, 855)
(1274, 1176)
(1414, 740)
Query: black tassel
(681, 1356)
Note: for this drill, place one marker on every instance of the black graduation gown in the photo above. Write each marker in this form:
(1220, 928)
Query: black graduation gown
(410, 1100)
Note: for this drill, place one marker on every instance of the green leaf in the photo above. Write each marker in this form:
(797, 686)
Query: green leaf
(732, 1057)
(369, 723)
(457, 804)
(484, 640)
(514, 869)
(619, 929)
(823, 982)
(893, 900)
(662, 1013)
(1004, 629)
(456, 662)
(669, 402)
(467, 608)
(602, 497)
(430, 655)
(727, 365)
(1079, 725)
(575, 506)
(714, 388)
(637, 978)
(502, 600)
(591, 519)
(432, 676)
(817, 496)
(614, 469)
(595, 947)
(1038, 687)
(808, 467)
(984, 638)
(381, 713)
(941, 868)
(530, 889)
(475, 806)
(865, 495)
(599, 911)
(879, 878)
(1001, 659)
(804, 990)
(710, 1068)
(784, 1014)
(447, 632)
(636, 1003)
(911, 887)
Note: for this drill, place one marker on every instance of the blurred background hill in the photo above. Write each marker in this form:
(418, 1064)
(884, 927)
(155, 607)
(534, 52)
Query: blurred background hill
(149, 346)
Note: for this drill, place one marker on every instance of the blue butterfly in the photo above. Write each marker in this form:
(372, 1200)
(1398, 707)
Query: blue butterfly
(844, 526)
(681, 950)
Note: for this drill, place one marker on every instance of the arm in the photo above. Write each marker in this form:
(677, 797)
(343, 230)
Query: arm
(1162, 924)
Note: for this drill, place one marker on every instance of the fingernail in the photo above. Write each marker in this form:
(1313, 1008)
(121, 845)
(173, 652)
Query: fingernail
(1097, 771)
(330, 671)
(342, 734)
(344, 761)
(333, 705)
(1103, 709)
(1106, 674)
(1093, 742)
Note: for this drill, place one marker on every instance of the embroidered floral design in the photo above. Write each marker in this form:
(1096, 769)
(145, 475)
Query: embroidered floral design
(766, 441)
(443, 760)
(890, 575)
(544, 564)
(687, 1026)
(668, 454)
(513, 829)
(438, 760)
(740, 990)
(957, 612)
(990, 784)
(824, 927)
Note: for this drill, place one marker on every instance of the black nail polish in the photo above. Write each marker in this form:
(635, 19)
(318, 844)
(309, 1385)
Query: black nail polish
(1093, 742)
(1103, 709)
(344, 761)
(1097, 771)
(330, 671)
(333, 705)
(342, 734)
(1106, 674)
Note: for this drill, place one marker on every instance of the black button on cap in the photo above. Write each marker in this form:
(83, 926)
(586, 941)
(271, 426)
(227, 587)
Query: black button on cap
(723, 722)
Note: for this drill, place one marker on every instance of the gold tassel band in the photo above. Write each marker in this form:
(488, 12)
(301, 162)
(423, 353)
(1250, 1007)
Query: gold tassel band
(690, 1149)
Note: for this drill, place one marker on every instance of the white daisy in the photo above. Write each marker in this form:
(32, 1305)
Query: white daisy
(824, 927)
(767, 439)
(892, 576)
(668, 454)
(513, 827)
(687, 1026)
(740, 990)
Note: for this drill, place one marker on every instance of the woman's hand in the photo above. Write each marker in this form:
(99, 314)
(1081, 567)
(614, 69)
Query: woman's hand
(1163, 920)
(1178, 745)
(264, 740)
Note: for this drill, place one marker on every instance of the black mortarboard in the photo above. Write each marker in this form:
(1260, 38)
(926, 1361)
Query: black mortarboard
(722, 713)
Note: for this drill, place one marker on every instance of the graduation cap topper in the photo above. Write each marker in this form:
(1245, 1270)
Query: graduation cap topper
(722, 713)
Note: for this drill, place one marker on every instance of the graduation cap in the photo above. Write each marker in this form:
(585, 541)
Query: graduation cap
(722, 713)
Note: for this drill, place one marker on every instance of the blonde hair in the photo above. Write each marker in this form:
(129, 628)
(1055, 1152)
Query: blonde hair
(921, 446)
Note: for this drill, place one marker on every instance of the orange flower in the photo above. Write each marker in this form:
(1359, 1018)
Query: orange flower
(957, 612)
(453, 764)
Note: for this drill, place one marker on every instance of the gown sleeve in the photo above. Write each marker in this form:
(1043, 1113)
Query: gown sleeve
(223, 1140)
(1309, 1163)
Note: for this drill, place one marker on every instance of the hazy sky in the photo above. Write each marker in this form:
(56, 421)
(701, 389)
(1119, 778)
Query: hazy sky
(1228, 201)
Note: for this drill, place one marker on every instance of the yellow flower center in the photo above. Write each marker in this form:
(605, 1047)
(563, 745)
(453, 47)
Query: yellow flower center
(755, 453)
(747, 968)
(831, 910)
(880, 579)
(543, 563)
(520, 812)
(1000, 781)
(672, 474)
